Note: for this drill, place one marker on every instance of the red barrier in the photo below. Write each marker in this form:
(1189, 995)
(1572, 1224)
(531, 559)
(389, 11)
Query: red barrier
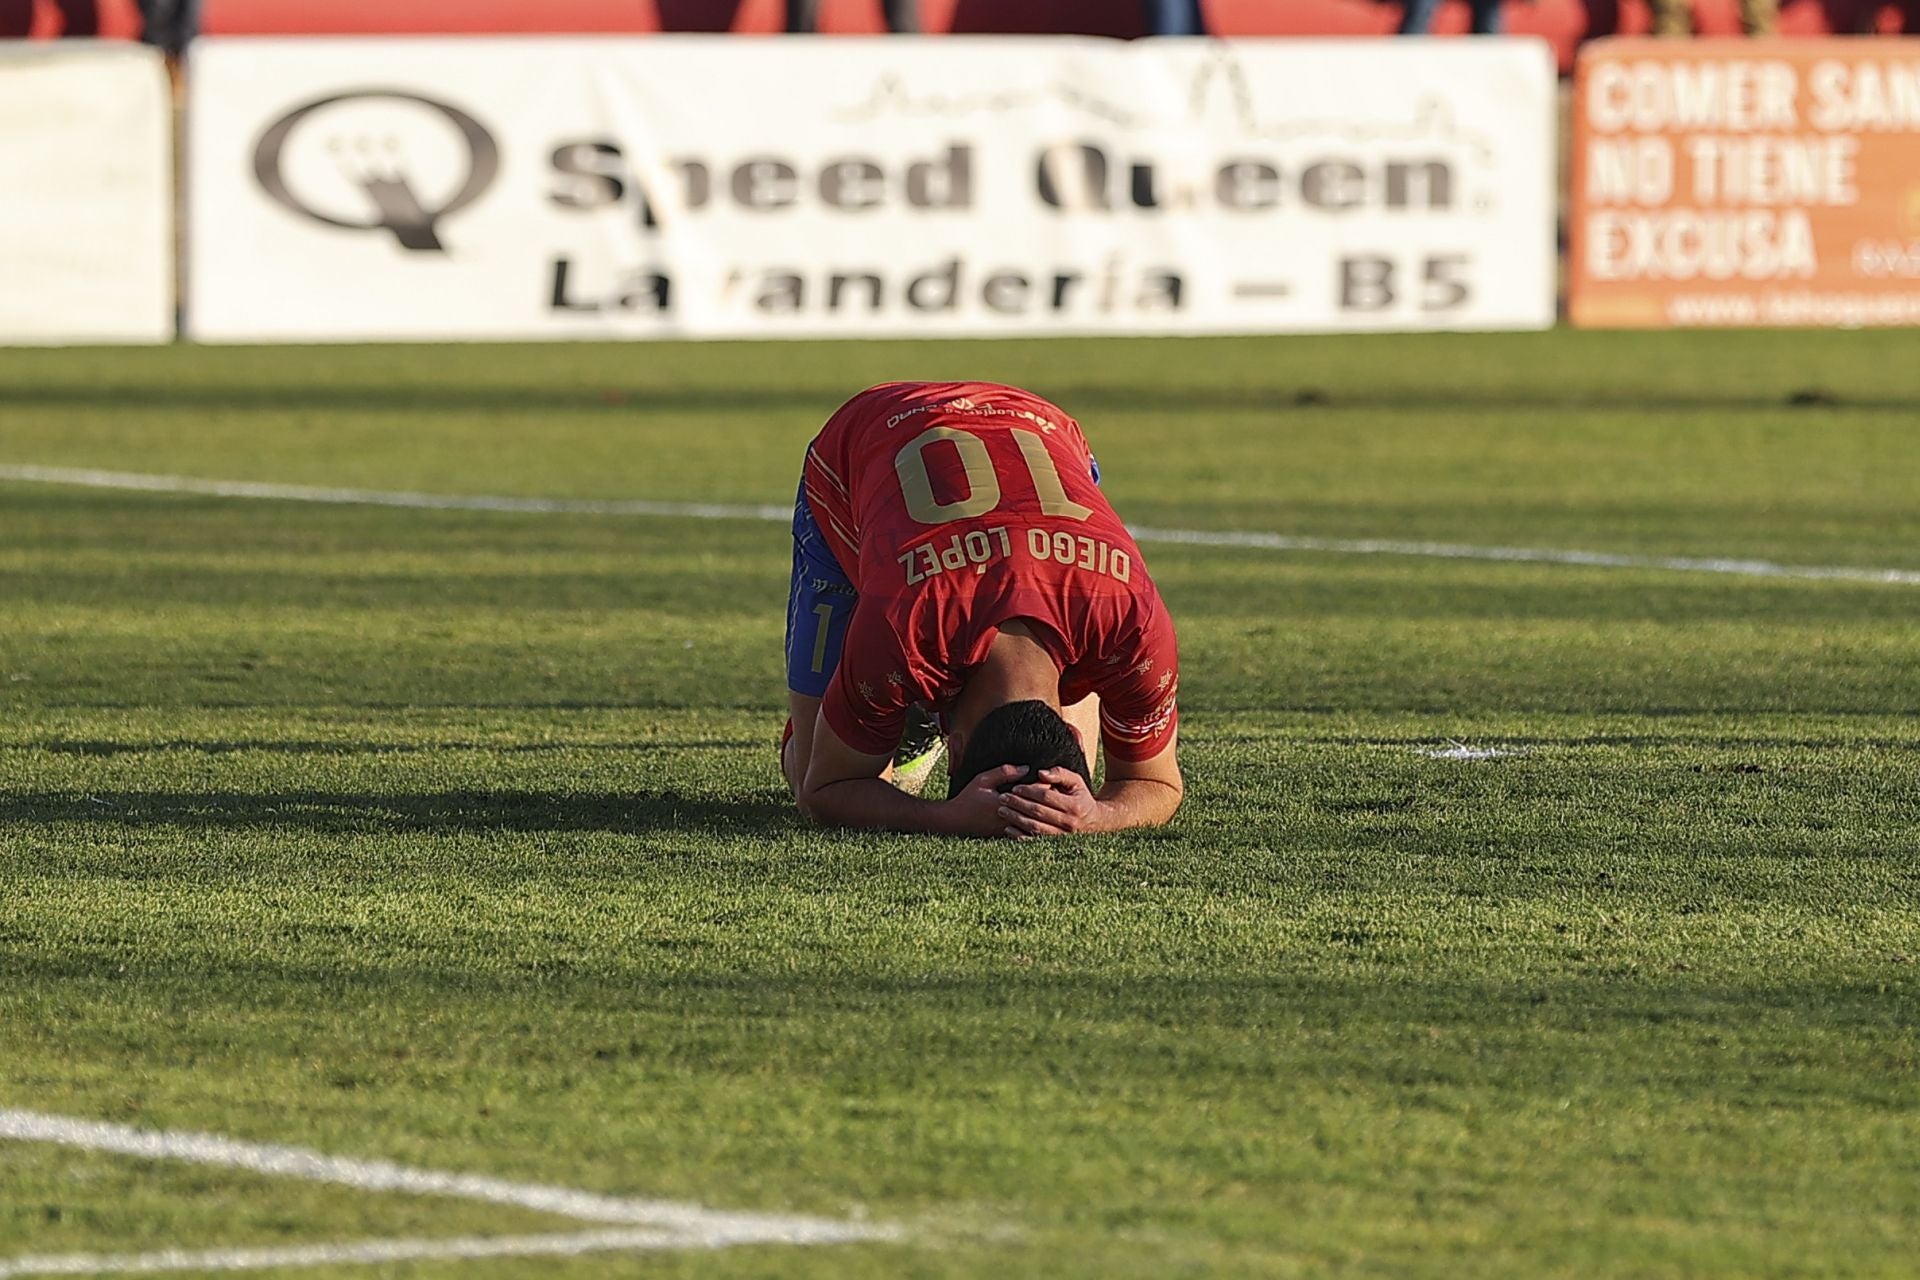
(1563, 23)
(1301, 18)
(62, 19)
(850, 18)
(489, 17)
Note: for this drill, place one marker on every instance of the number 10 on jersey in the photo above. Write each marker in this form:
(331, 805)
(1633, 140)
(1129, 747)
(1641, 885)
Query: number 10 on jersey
(983, 482)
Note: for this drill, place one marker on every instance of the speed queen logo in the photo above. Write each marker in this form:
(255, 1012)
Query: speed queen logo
(660, 187)
(388, 170)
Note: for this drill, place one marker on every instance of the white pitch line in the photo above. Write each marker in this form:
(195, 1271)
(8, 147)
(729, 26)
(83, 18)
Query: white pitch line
(144, 482)
(1525, 555)
(88, 478)
(567, 1244)
(1461, 751)
(692, 1224)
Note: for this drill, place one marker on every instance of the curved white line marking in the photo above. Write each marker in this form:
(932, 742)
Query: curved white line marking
(278, 1161)
(647, 1224)
(358, 1251)
(141, 481)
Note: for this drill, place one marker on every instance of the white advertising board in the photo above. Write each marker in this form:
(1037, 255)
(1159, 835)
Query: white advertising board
(86, 194)
(721, 187)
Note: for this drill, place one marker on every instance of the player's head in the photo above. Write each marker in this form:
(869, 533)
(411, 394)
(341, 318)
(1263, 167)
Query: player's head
(1029, 733)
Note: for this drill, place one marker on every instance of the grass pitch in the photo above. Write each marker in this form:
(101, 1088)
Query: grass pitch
(457, 839)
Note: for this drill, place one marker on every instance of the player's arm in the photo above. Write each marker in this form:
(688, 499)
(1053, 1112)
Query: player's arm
(1136, 793)
(845, 788)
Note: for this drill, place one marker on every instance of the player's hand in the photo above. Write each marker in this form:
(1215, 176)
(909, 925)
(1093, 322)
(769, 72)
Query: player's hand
(976, 811)
(1057, 805)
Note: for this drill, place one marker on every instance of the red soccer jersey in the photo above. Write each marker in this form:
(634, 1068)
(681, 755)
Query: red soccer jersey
(954, 507)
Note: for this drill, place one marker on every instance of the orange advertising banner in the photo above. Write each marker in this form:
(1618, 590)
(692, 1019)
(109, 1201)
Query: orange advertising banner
(1746, 183)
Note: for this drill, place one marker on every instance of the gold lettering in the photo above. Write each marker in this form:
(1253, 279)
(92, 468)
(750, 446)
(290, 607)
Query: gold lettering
(916, 485)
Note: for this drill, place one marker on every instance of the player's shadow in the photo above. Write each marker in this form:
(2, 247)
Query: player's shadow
(644, 811)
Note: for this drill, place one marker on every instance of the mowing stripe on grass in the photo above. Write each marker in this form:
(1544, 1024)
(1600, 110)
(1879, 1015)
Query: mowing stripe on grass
(690, 1226)
(87, 478)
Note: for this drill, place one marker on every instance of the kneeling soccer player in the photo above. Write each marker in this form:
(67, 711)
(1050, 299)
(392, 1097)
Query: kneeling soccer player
(952, 549)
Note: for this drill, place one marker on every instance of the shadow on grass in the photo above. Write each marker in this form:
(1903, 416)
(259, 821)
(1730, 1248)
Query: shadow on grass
(610, 398)
(1676, 741)
(447, 812)
(299, 747)
(1340, 992)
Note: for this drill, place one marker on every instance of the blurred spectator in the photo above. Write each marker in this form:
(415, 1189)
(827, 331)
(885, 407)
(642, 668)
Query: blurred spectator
(1419, 17)
(1175, 18)
(803, 16)
(1164, 17)
(24, 20)
(1675, 17)
(1873, 17)
(170, 24)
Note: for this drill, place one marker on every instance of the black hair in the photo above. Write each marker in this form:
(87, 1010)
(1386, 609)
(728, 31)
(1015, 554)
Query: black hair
(1027, 733)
